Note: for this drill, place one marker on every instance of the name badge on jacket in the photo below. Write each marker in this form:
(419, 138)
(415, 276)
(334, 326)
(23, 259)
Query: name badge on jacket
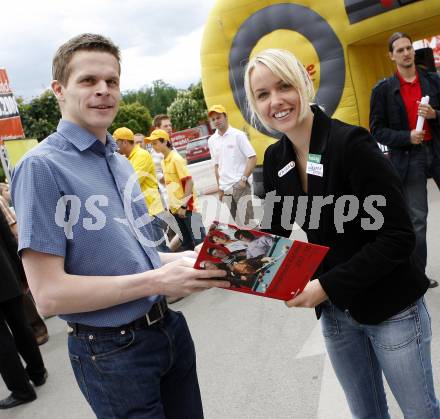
(287, 168)
(314, 166)
(315, 169)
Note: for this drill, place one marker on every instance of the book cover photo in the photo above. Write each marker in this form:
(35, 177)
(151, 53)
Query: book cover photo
(260, 263)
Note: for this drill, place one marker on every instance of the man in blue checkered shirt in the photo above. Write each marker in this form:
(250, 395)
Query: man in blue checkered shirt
(85, 241)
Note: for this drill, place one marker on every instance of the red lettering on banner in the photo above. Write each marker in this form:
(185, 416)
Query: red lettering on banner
(4, 82)
(311, 71)
(386, 3)
(181, 139)
(10, 123)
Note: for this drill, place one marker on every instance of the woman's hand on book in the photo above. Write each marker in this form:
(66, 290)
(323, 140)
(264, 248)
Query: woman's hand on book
(312, 295)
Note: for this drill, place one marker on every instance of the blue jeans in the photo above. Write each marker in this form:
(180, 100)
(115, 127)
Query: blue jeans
(399, 347)
(191, 228)
(421, 166)
(149, 372)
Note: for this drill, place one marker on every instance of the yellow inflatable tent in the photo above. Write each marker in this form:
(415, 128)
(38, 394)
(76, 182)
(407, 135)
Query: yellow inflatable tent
(342, 43)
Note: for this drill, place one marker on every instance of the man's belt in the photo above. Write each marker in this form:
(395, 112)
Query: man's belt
(157, 312)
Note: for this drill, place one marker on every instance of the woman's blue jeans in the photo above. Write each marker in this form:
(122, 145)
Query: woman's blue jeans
(399, 347)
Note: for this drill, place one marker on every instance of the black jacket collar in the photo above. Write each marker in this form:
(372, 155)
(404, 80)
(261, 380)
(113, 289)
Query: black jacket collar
(320, 132)
(318, 144)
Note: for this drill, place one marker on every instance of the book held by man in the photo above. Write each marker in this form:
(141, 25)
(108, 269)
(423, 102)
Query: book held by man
(260, 263)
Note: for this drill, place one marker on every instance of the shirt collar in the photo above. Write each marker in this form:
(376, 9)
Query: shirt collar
(83, 139)
(226, 132)
(134, 151)
(170, 155)
(319, 136)
(403, 81)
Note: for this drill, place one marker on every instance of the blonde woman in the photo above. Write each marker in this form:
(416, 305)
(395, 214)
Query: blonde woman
(368, 292)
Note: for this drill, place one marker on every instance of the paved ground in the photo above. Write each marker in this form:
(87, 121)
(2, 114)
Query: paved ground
(256, 358)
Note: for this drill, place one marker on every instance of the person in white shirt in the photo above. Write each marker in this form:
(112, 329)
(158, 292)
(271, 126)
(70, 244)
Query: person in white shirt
(139, 140)
(234, 161)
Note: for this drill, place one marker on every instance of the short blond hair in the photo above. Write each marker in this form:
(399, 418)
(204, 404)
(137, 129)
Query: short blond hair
(290, 70)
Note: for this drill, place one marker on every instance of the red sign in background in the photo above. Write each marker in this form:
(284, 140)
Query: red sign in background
(10, 123)
(181, 139)
(434, 43)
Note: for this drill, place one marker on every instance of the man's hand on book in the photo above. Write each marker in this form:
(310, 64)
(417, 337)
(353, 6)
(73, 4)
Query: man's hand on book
(312, 295)
(179, 278)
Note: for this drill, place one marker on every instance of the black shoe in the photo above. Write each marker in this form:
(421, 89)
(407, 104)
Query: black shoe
(13, 401)
(432, 283)
(40, 380)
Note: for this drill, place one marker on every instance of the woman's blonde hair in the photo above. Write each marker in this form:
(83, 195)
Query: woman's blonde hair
(290, 70)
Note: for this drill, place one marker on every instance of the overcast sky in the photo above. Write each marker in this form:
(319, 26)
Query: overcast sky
(159, 39)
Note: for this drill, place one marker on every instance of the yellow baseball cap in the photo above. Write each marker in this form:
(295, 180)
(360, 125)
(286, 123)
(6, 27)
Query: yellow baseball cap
(217, 109)
(158, 134)
(123, 133)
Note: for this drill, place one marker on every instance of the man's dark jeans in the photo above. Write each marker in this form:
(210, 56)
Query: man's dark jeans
(159, 228)
(148, 372)
(421, 166)
(191, 228)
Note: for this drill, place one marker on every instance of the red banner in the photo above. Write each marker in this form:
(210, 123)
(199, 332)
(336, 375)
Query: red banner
(10, 123)
(180, 139)
(434, 43)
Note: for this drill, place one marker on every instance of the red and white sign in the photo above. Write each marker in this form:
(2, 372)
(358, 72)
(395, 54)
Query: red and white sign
(434, 43)
(180, 139)
(10, 123)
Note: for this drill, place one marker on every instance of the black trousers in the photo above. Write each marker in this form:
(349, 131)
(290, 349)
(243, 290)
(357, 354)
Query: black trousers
(21, 341)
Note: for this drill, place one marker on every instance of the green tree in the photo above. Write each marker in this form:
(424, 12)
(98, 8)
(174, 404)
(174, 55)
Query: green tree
(197, 92)
(40, 116)
(156, 98)
(134, 116)
(189, 108)
(186, 112)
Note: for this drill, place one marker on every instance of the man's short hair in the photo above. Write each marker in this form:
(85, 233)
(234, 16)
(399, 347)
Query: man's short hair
(157, 121)
(394, 37)
(84, 42)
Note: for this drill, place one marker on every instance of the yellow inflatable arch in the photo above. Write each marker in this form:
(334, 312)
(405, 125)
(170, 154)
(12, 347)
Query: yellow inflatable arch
(342, 43)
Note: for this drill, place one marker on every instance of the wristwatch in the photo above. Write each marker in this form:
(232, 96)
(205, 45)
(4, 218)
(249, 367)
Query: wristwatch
(244, 178)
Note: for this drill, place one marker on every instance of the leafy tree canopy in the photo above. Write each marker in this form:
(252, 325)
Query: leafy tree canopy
(156, 98)
(189, 108)
(134, 116)
(40, 116)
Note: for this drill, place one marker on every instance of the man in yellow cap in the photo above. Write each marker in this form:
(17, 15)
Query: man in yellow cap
(180, 189)
(161, 121)
(143, 165)
(234, 161)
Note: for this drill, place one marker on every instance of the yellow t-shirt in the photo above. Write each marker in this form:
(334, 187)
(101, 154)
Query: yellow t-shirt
(176, 173)
(143, 165)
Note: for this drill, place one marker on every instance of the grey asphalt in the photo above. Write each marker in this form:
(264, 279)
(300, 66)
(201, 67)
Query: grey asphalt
(256, 358)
